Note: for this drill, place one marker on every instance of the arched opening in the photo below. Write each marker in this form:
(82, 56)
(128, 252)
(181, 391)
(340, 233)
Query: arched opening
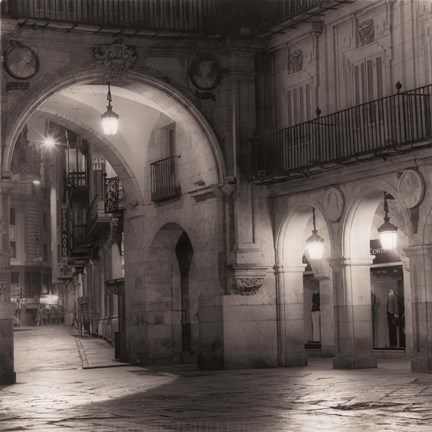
(376, 287)
(304, 285)
(149, 109)
(171, 301)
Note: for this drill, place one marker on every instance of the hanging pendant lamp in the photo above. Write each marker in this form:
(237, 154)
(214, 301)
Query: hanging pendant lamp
(110, 119)
(315, 243)
(387, 231)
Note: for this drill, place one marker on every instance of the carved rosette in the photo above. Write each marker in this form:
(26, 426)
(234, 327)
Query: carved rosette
(245, 280)
(366, 32)
(296, 61)
(117, 58)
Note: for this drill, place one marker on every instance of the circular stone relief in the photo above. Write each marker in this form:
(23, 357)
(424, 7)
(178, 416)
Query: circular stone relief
(411, 188)
(334, 203)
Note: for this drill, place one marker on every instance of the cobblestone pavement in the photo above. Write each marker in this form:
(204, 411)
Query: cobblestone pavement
(55, 393)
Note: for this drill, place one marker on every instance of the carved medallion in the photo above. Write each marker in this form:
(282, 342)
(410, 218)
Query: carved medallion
(366, 32)
(334, 204)
(296, 60)
(21, 62)
(411, 188)
(205, 72)
(117, 58)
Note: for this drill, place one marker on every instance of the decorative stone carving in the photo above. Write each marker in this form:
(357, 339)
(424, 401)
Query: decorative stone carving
(411, 188)
(117, 58)
(334, 204)
(246, 286)
(245, 279)
(296, 61)
(366, 32)
(20, 61)
(205, 72)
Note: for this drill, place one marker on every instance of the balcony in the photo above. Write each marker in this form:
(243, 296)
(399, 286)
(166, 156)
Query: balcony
(98, 219)
(178, 16)
(113, 196)
(376, 129)
(164, 181)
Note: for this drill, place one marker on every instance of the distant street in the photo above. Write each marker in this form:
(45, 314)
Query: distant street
(55, 393)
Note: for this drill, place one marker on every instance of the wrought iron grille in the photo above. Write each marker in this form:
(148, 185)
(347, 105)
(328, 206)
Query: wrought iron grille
(208, 16)
(383, 126)
(113, 201)
(164, 182)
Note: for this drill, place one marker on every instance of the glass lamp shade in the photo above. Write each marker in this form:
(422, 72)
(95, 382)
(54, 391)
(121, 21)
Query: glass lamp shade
(315, 246)
(110, 122)
(388, 235)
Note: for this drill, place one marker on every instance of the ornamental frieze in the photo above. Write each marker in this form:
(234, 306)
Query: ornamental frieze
(244, 279)
(366, 32)
(296, 61)
(117, 58)
(246, 286)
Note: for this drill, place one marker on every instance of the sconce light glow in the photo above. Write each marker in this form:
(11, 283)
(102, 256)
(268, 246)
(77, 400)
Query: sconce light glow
(36, 182)
(49, 142)
(315, 243)
(110, 119)
(387, 231)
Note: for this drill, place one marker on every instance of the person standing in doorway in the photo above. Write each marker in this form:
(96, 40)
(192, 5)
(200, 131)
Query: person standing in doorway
(316, 317)
(392, 315)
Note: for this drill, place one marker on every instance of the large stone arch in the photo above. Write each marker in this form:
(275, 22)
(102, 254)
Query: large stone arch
(352, 271)
(295, 227)
(159, 94)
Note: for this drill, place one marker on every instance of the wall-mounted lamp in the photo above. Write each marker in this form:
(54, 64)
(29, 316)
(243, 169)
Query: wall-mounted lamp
(387, 231)
(315, 243)
(109, 118)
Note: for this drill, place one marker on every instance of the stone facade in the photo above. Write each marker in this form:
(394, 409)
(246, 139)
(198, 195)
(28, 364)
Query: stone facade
(216, 275)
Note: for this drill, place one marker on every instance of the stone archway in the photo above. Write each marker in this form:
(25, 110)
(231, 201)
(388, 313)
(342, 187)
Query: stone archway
(291, 238)
(169, 298)
(353, 311)
(158, 93)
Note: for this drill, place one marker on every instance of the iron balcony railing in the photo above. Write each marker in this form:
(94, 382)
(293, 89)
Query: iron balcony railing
(374, 129)
(113, 195)
(77, 179)
(164, 181)
(207, 16)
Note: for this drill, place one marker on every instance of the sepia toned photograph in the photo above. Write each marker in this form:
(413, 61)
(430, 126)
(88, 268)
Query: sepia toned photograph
(216, 215)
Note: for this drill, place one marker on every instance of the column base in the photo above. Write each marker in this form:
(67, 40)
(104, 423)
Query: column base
(296, 359)
(354, 363)
(7, 378)
(421, 366)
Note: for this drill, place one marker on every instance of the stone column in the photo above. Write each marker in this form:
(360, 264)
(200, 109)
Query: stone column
(290, 315)
(322, 272)
(420, 258)
(353, 318)
(7, 374)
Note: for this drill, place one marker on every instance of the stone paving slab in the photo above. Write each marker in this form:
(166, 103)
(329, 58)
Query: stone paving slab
(54, 393)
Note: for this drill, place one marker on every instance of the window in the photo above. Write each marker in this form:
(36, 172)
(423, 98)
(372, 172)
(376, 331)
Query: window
(45, 252)
(298, 105)
(12, 216)
(368, 86)
(171, 142)
(44, 220)
(368, 80)
(13, 252)
(15, 278)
